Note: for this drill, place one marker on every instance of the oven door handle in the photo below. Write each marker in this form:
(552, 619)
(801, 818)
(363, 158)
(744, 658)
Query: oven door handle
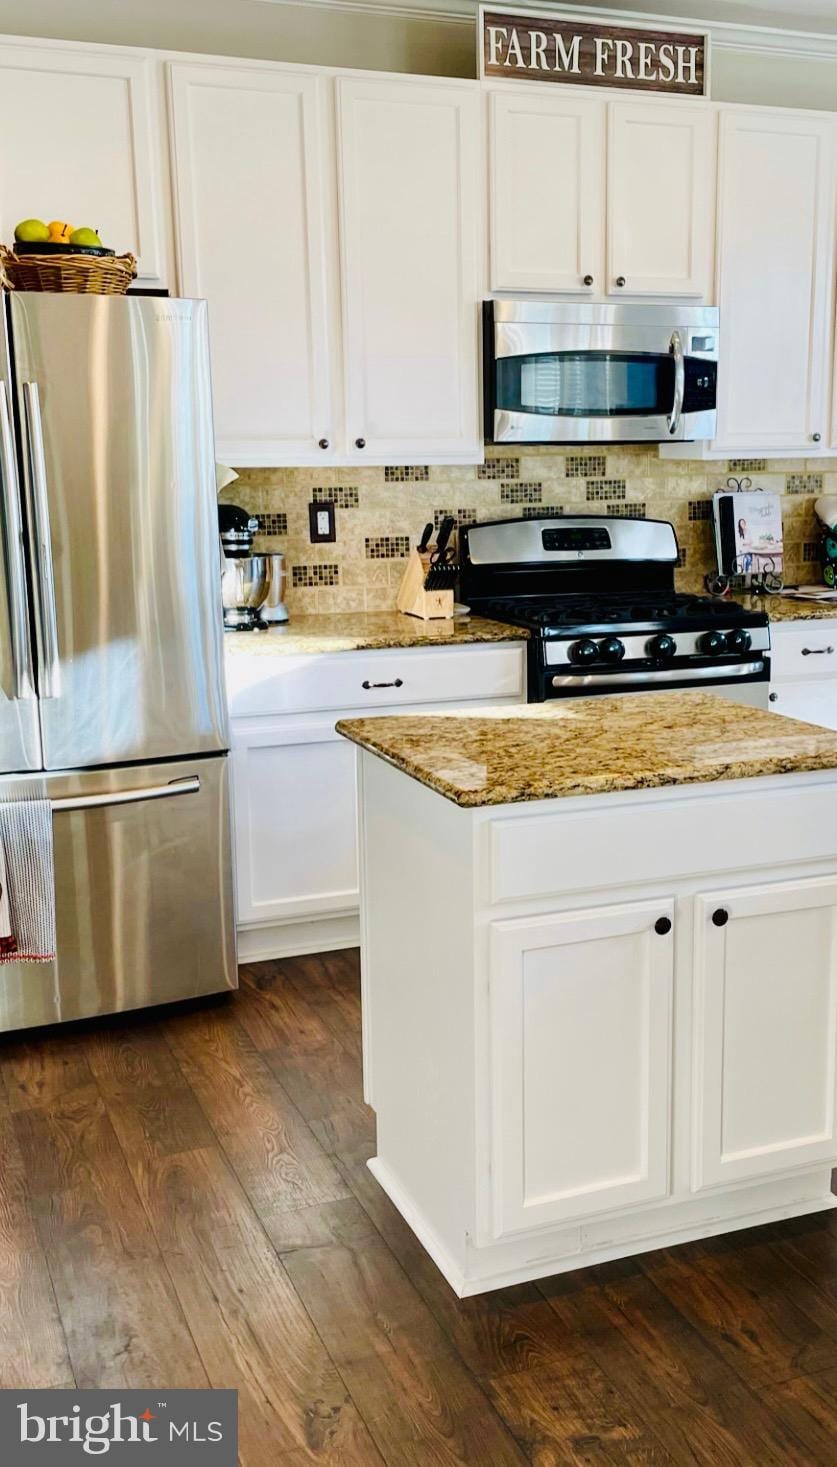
(676, 349)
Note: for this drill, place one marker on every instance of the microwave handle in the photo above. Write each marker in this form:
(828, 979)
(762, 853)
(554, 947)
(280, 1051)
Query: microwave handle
(676, 349)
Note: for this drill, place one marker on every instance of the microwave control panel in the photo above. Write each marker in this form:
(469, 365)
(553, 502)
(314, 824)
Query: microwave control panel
(701, 389)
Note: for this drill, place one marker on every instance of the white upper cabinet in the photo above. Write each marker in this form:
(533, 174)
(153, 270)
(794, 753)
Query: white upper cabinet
(410, 220)
(765, 1022)
(612, 199)
(546, 191)
(255, 222)
(83, 141)
(775, 252)
(661, 196)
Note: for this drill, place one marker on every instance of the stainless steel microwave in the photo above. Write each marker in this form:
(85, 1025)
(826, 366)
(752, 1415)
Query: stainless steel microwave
(563, 373)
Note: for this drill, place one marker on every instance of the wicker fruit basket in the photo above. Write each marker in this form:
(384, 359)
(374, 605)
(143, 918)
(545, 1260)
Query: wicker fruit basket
(74, 270)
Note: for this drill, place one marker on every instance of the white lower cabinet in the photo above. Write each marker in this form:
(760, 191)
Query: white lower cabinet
(803, 671)
(295, 808)
(295, 822)
(614, 1053)
(814, 701)
(581, 1007)
(765, 1030)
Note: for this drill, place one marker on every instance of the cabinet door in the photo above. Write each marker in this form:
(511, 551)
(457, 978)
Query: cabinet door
(252, 204)
(410, 211)
(295, 822)
(83, 142)
(661, 199)
(580, 1044)
(765, 1026)
(776, 237)
(814, 701)
(546, 184)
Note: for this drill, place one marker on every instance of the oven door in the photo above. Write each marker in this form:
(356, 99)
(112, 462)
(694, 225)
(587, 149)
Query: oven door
(579, 382)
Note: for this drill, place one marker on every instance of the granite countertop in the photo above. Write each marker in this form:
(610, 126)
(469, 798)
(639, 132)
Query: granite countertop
(786, 608)
(541, 751)
(359, 631)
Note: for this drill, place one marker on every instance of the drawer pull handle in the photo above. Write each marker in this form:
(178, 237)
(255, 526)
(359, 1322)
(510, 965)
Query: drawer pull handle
(663, 926)
(817, 651)
(720, 917)
(399, 683)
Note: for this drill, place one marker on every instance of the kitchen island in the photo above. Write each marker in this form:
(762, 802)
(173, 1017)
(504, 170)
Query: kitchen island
(599, 975)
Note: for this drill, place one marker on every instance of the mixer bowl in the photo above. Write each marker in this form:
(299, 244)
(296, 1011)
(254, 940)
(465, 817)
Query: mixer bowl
(244, 583)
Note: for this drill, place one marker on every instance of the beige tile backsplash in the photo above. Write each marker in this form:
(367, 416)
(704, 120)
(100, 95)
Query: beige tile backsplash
(381, 511)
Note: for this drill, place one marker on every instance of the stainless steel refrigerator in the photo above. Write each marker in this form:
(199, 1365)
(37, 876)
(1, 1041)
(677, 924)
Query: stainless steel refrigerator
(112, 697)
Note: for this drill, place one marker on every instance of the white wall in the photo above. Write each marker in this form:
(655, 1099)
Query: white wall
(383, 42)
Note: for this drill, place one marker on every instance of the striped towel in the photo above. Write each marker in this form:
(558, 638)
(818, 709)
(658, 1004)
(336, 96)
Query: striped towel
(27, 882)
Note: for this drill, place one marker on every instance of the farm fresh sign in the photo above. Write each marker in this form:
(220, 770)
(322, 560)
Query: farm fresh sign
(556, 48)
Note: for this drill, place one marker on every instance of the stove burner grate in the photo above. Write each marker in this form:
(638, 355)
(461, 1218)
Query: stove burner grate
(615, 609)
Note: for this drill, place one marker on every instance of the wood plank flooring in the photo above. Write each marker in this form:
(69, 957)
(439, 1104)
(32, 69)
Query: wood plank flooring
(184, 1200)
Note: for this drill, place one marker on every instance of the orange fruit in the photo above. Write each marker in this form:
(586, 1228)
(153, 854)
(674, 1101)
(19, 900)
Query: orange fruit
(59, 232)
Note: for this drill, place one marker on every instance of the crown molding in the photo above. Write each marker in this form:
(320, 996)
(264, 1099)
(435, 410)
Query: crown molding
(726, 36)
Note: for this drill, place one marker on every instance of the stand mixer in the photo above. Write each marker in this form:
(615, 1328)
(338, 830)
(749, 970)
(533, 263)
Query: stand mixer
(252, 586)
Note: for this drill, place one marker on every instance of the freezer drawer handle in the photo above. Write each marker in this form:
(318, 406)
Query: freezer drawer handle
(190, 786)
(50, 680)
(23, 671)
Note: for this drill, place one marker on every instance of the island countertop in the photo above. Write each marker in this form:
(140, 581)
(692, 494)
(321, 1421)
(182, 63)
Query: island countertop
(541, 751)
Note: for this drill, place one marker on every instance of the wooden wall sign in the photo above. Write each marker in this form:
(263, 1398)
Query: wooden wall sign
(557, 48)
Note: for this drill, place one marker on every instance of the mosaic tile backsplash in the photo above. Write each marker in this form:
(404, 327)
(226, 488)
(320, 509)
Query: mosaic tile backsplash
(381, 512)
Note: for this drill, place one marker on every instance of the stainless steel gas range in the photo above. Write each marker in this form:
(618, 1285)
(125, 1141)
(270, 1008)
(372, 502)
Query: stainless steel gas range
(597, 595)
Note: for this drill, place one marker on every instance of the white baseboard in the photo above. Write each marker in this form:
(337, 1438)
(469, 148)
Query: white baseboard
(488, 1268)
(298, 939)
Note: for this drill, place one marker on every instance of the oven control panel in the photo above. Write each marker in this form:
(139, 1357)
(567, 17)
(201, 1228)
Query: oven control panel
(576, 537)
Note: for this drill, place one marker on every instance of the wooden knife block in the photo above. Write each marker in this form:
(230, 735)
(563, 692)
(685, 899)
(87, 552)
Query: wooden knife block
(412, 598)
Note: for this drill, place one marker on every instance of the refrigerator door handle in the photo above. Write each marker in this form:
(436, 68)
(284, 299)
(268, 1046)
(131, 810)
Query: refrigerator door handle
(50, 671)
(23, 671)
(188, 786)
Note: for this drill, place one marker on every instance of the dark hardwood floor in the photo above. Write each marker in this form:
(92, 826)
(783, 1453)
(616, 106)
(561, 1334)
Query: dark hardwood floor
(184, 1201)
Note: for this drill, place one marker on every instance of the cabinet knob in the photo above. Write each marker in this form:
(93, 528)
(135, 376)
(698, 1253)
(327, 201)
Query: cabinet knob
(817, 437)
(360, 443)
(662, 926)
(720, 917)
(588, 280)
(774, 697)
(620, 281)
(324, 443)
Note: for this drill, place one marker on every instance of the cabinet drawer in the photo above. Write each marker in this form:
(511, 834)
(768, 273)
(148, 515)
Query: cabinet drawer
(803, 649)
(260, 684)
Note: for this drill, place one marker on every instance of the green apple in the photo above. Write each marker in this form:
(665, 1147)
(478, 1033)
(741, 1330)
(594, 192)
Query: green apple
(31, 231)
(87, 237)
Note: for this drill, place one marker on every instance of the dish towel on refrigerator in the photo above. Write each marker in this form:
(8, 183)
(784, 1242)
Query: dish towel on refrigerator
(27, 882)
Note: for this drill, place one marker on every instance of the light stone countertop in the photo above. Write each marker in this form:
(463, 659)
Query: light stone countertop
(541, 751)
(359, 631)
(786, 608)
(365, 631)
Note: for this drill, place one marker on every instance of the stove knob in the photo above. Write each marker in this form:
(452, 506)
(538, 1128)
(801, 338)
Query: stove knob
(739, 640)
(662, 648)
(584, 651)
(611, 649)
(712, 644)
